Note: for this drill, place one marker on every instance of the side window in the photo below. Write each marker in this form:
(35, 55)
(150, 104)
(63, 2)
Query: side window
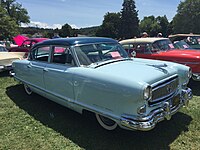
(143, 48)
(40, 53)
(129, 48)
(62, 55)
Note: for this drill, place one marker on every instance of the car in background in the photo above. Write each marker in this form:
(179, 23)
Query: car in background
(163, 49)
(96, 75)
(2, 44)
(6, 58)
(3, 49)
(191, 39)
(181, 45)
(26, 45)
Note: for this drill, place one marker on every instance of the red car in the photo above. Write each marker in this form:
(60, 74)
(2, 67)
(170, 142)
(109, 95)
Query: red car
(26, 45)
(163, 49)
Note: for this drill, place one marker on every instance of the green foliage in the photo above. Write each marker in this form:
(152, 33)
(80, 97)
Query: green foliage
(8, 27)
(129, 20)
(65, 31)
(110, 26)
(90, 31)
(187, 19)
(16, 11)
(123, 24)
(153, 25)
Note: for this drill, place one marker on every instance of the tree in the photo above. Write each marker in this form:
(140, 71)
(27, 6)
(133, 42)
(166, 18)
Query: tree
(187, 19)
(15, 11)
(164, 25)
(150, 25)
(153, 25)
(110, 26)
(8, 27)
(129, 20)
(65, 31)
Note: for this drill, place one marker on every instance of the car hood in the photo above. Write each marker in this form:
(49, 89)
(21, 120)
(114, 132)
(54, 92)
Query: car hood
(149, 72)
(6, 58)
(10, 55)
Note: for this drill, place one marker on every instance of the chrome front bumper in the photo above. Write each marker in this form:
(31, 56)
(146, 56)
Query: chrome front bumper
(5, 67)
(196, 76)
(148, 122)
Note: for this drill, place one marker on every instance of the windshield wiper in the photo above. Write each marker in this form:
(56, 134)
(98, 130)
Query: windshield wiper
(110, 61)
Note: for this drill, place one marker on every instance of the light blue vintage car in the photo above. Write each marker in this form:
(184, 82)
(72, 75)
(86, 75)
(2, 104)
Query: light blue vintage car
(96, 75)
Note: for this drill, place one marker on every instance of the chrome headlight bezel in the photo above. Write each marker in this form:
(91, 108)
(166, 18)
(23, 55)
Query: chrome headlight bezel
(147, 94)
(189, 74)
(2, 67)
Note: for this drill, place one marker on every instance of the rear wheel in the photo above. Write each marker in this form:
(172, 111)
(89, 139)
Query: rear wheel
(27, 89)
(106, 123)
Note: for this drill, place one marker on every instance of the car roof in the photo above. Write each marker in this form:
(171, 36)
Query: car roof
(183, 35)
(142, 40)
(76, 41)
(36, 39)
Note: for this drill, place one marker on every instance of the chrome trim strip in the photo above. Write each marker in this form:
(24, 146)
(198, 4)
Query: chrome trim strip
(159, 99)
(164, 80)
(153, 89)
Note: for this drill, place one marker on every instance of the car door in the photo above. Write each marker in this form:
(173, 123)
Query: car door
(35, 67)
(58, 75)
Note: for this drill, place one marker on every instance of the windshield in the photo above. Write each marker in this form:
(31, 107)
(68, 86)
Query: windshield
(193, 40)
(96, 53)
(181, 45)
(162, 45)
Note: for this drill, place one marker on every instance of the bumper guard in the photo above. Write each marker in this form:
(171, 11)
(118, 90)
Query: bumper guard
(145, 123)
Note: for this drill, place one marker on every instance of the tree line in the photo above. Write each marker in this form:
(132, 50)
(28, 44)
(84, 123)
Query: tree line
(123, 24)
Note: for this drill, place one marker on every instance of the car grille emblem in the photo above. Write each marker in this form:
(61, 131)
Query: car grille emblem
(169, 88)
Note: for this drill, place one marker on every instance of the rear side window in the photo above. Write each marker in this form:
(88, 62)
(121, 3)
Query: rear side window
(40, 54)
(62, 55)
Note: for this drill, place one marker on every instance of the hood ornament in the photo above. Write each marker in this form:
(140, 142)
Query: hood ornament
(160, 67)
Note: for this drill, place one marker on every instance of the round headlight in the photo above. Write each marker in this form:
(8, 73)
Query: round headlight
(189, 73)
(148, 93)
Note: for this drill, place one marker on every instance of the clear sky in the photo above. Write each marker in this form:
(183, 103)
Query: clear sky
(87, 13)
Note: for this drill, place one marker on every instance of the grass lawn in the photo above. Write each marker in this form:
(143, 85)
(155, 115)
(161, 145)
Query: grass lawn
(34, 122)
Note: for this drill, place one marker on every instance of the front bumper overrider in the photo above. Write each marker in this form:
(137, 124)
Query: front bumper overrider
(148, 122)
(196, 76)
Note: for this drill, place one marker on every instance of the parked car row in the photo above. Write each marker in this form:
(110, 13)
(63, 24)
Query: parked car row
(191, 39)
(163, 49)
(97, 75)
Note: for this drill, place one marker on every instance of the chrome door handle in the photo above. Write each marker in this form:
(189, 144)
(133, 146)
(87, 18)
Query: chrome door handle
(75, 83)
(45, 70)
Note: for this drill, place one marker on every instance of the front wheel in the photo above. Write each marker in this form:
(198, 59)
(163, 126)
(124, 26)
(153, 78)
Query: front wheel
(27, 89)
(106, 123)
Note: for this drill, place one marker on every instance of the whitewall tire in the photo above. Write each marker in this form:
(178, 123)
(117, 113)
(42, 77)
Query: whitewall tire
(106, 123)
(27, 89)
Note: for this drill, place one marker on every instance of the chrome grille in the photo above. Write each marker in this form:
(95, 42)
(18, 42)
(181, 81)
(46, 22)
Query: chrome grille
(164, 90)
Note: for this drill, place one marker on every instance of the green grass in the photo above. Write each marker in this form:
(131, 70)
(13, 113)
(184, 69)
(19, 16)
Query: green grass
(34, 122)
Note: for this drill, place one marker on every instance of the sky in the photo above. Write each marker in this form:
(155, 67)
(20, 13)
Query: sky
(88, 13)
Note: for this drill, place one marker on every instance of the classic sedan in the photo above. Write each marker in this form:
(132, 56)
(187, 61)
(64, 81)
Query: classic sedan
(191, 39)
(96, 75)
(6, 58)
(163, 49)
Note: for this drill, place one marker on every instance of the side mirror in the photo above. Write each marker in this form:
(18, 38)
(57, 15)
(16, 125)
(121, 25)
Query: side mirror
(133, 53)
